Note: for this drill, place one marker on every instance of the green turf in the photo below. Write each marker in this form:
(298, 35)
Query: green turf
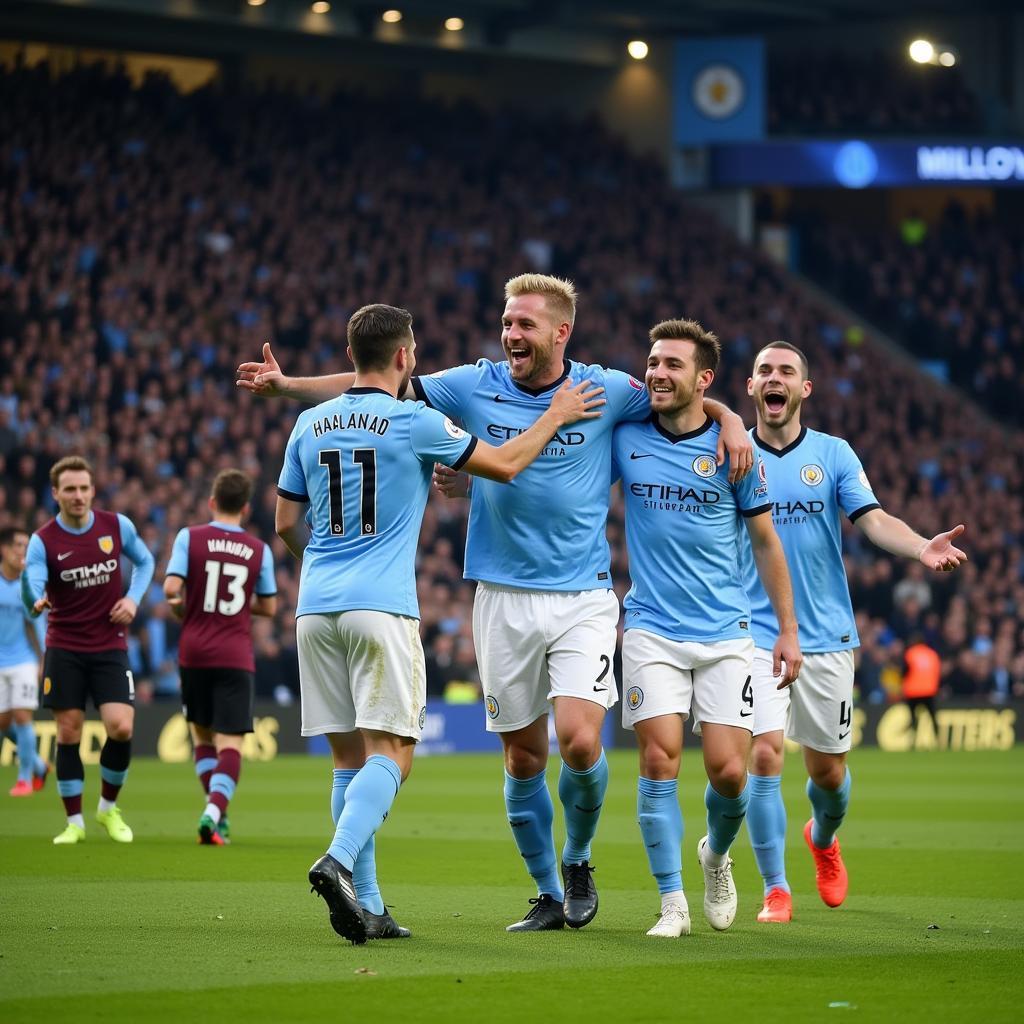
(164, 930)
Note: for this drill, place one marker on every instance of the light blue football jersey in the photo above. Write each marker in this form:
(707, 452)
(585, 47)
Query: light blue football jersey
(15, 648)
(546, 529)
(810, 484)
(363, 461)
(683, 531)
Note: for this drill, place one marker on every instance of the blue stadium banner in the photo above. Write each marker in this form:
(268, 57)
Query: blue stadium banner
(855, 163)
(719, 91)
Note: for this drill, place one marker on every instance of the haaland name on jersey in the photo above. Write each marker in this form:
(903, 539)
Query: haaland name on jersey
(354, 421)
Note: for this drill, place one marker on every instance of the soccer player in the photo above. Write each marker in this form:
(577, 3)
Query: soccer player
(544, 616)
(218, 577)
(20, 657)
(363, 463)
(687, 648)
(813, 478)
(74, 570)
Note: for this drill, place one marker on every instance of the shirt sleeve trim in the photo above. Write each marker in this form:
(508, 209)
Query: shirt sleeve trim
(420, 391)
(464, 457)
(854, 516)
(292, 496)
(749, 513)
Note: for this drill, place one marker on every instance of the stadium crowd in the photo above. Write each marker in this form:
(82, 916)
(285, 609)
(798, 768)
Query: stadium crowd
(952, 292)
(149, 241)
(823, 94)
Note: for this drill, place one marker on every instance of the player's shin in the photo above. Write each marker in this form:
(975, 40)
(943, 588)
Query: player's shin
(115, 757)
(364, 873)
(368, 800)
(829, 809)
(25, 738)
(766, 823)
(531, 815)
(661, 826)
(71, 781)
(582, 795)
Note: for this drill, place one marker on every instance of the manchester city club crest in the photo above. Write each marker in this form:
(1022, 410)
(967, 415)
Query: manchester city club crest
(106, 544)
(812, 475)
(705, 466)
(634, 697)
(491, 706)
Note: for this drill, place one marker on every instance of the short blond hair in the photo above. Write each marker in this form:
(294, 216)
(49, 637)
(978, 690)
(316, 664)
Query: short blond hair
(559, 294)
(708, 347)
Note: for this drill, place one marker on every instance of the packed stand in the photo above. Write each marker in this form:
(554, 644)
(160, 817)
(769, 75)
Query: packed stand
(951, 292)
(150, 241)
(837, 92)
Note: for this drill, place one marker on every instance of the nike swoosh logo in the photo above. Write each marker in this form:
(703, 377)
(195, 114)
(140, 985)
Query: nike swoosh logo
(747, 714)
(843, 735)
(635, 455)
(600, 689)
(498, 398)
(67, 554)
(654, 846)
(588, 810)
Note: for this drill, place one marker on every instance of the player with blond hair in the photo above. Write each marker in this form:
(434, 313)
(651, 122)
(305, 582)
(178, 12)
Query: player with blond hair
(545, 615)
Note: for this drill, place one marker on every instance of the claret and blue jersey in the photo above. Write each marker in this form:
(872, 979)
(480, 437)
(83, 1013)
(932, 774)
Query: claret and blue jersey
(364, 461)
(811, 483)
(546, 529)
(683, 528)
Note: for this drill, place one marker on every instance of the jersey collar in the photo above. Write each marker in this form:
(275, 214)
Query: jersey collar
(76, 530)
(779, 452)
(566, 367)
(369, 391)
(676, 438)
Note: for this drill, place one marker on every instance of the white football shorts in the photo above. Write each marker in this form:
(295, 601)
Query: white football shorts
(711, 681)
(19, 687)
(535, 645)
(361, 670)
(816, 711)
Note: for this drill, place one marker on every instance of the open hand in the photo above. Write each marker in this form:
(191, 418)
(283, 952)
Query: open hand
(940, 554)
(263, 379)
(577, 402)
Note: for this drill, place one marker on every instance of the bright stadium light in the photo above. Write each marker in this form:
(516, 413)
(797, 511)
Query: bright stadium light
(637, 49)
(391, 17)
(454, 24)
(256, 3)
(921, 51)
(320, 7)
(947, 58)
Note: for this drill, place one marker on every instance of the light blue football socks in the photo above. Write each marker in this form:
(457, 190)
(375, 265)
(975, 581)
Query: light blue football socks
(661, 825)
(530, 816)
(582, 795)
(368, 799)
(364, 874)
(766, 823)
(829, 808)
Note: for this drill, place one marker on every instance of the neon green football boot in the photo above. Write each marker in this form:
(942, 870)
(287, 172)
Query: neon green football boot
(71, 835)
(115, 825)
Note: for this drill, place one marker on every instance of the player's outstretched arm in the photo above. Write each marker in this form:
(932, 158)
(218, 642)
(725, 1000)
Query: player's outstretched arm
(289, 522)
(893, 535)
(570, 403)
(733, 440)
(774, 573)
(264, 604)
(267, 380)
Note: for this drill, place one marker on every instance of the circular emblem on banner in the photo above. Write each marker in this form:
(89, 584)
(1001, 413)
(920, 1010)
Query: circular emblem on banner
(704, 466)
(855, 165)
(812, 475)
(634, 697)
(491, 706)
(719, 91)
(452, 430)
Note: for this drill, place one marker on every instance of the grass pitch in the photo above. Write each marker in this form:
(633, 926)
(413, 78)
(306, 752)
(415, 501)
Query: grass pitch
(165, 930)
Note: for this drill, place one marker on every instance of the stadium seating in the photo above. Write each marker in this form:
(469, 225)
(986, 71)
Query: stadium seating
(149, 241)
